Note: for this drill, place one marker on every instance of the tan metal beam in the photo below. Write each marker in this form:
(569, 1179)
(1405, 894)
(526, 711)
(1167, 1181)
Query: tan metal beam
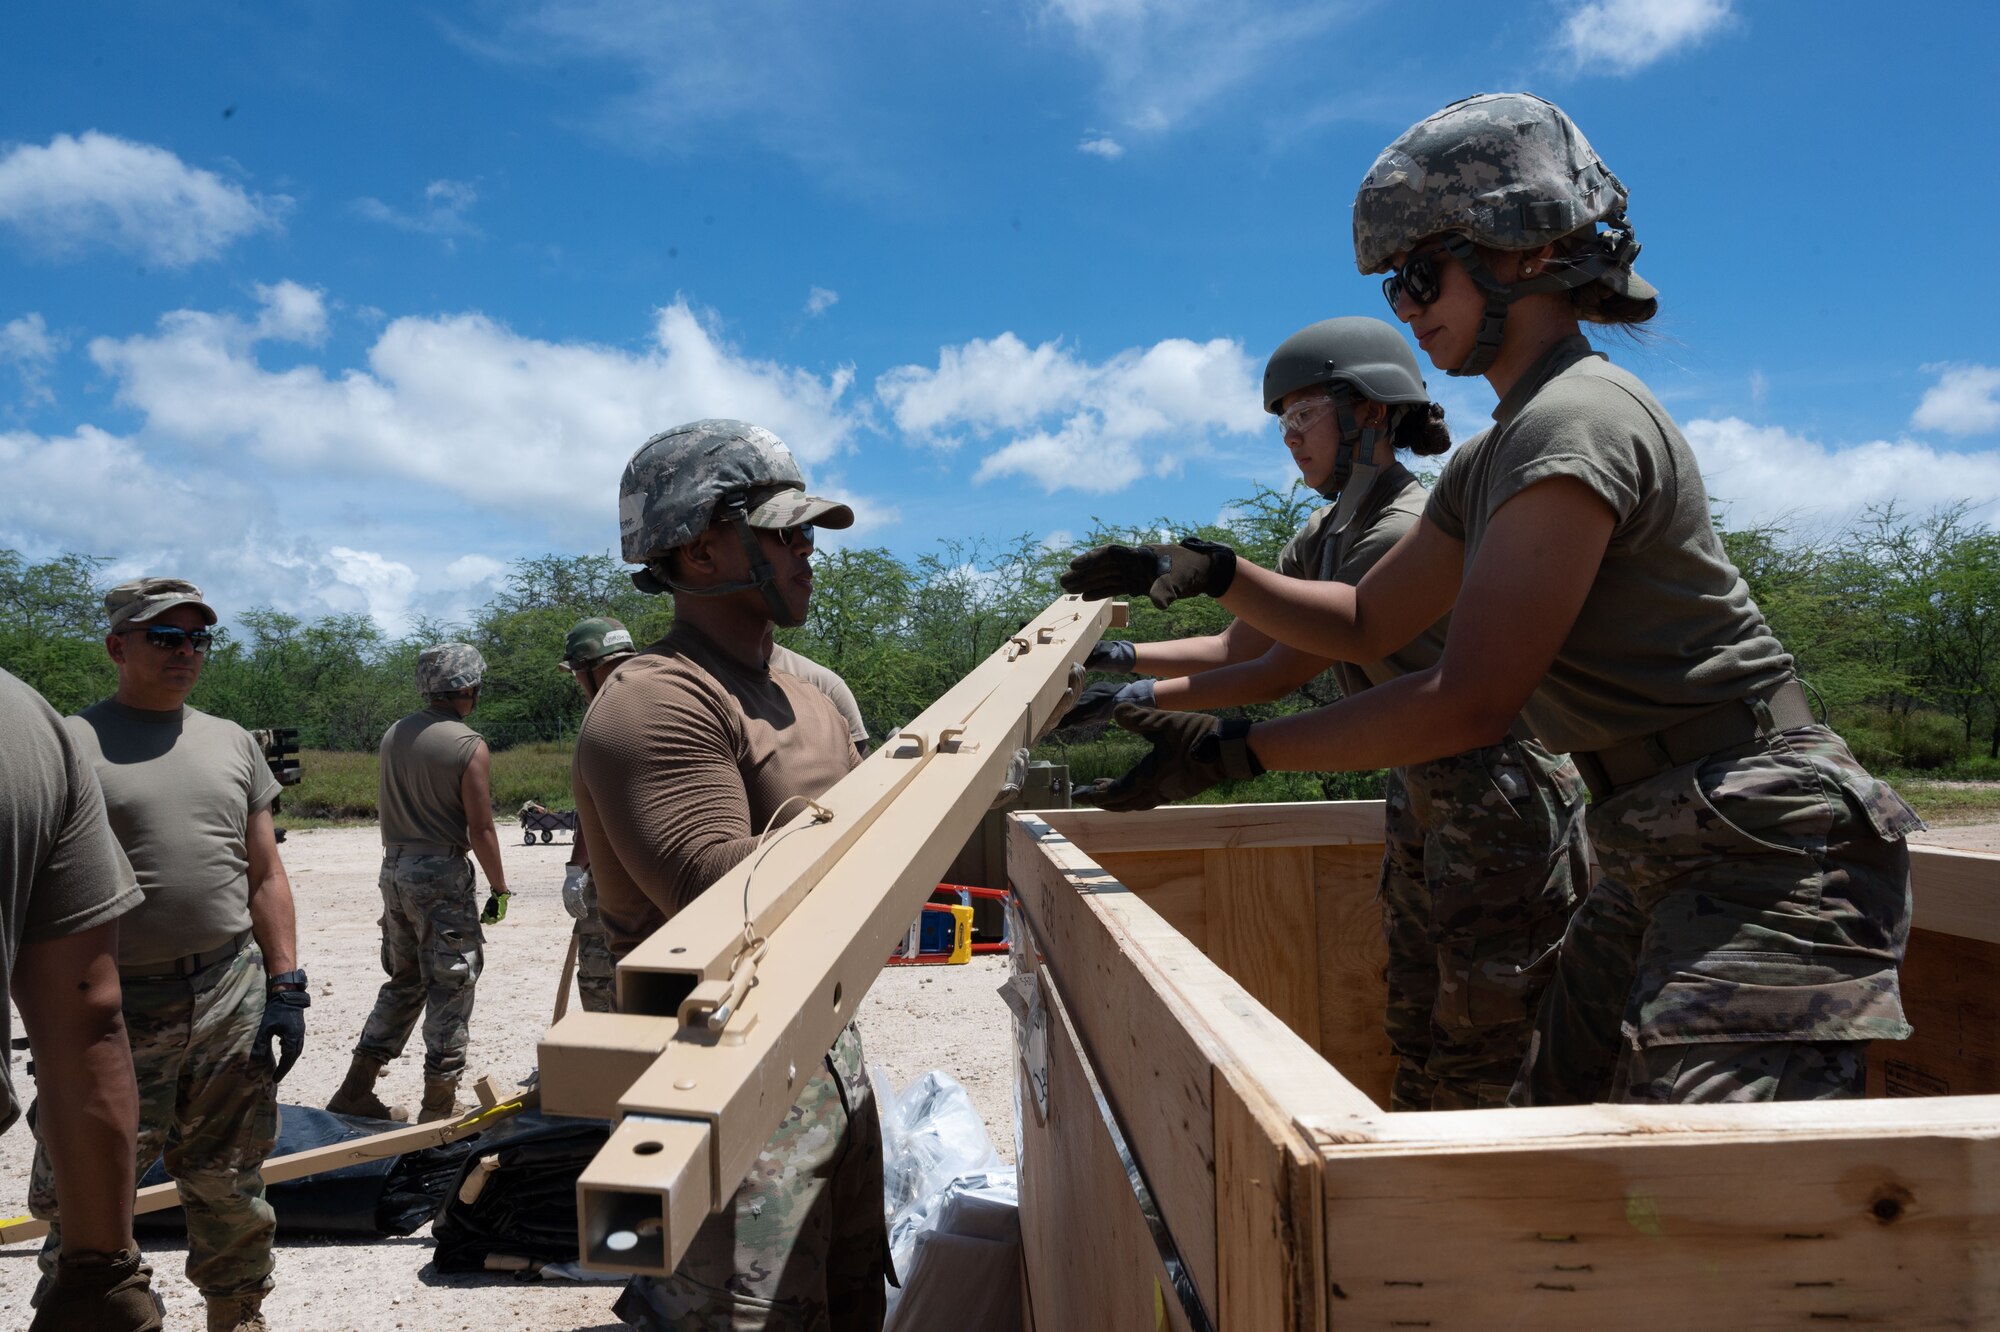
(830, 902)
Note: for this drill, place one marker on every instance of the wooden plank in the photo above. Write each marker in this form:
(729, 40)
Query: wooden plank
(1951, 994)
(1661, 1231)
(1352, 955)
(1212, 827)
(1268, 1216)
(1956, 892)
(1089, 1257)
(1148, 1058)
(1262, 928)
(1170, 882)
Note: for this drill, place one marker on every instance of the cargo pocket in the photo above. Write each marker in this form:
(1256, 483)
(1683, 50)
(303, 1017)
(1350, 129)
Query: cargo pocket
(1746, 996)
(455, 947)
(1496, 956)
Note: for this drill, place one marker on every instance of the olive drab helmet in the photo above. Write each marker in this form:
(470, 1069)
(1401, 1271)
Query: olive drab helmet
(1356, 358)
(683, 481)
(1508, 171)
(448, 668)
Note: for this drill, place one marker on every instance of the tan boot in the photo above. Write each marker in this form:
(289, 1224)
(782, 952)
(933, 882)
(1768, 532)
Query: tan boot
(440, 1099)
(237, 1313)
(357, 1094)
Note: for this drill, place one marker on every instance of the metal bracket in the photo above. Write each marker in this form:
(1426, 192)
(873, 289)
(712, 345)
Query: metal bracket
(1015, 647)
(951, 740)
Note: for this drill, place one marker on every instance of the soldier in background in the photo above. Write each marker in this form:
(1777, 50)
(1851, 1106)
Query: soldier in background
(591, 652)
(689, 752)
(436, 801)
(208, 960)
(63, 885)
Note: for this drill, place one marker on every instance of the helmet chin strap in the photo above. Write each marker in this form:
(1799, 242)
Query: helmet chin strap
(655, 578)
(1616, 248)
(1352, 479)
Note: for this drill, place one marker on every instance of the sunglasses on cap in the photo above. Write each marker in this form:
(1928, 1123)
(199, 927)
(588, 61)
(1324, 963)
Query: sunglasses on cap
(169, 639)
(1419, 278)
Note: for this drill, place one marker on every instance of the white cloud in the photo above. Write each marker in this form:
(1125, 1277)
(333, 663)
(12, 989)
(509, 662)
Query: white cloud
(1757, 472)
(291, 313)
(820, 299)
(1095, 427)
(1964, 401)
(28, 346)
(442, 212)
(1163, 62)
(367, 583)
(1629, 35)
(97, 190)
(1102, 146)
(471, 571)
(462, 403)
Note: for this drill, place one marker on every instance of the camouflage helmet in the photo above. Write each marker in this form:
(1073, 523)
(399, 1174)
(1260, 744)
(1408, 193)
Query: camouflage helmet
(1508, 170)
(449, 667)
(594, 640)
(670, 490)
(1366, 355)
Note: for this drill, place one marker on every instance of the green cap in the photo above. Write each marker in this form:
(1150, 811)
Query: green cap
(596, 638)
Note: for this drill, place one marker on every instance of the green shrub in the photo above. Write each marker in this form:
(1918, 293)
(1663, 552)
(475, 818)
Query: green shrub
(342, 785)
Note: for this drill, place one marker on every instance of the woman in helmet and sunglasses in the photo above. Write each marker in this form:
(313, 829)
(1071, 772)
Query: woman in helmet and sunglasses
(1484, 853)
(1742, 938)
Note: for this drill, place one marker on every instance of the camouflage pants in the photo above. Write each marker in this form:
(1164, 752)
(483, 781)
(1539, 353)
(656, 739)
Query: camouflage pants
(1742, 939)
(595, 970)
(1484, 860)
(803, 1246)
(208, 1106)
(432, 951)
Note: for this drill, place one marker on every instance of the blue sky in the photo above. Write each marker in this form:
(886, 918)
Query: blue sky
(342, 306)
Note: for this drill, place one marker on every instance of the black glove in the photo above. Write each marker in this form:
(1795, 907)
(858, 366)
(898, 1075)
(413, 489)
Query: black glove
(1192, 751)
(1098, 701)
(107, 1293)
(1113, 654)
(285, 1022)
(1164, 573)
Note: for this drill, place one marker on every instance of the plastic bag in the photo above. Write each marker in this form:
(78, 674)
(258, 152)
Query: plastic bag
(939, 1168)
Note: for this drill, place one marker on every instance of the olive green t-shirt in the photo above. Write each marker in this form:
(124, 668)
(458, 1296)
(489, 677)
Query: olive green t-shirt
(180, 787)
(61, 871)
(683, 758)
(827, 682)
(423, 761)
(1394, 504)
(1668, 629)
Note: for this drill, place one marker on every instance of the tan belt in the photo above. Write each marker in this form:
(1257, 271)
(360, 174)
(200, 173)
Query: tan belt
(1736, 722)
(186, 966)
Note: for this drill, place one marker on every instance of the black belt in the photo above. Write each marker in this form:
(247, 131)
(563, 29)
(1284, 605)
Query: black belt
(1736, 722)
(186, 966)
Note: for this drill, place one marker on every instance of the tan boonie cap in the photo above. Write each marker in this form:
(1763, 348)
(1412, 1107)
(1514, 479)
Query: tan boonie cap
(143, 599)
(792, 508)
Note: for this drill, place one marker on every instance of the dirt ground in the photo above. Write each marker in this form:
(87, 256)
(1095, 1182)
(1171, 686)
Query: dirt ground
(914, 1019)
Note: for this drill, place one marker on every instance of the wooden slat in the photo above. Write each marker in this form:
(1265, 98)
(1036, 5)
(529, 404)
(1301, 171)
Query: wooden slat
(1667, 1233)
(1211, 827)
(1090, 1260)
(1268, 1216)
(1352, 955)
(1956, 892)
(1262, 929)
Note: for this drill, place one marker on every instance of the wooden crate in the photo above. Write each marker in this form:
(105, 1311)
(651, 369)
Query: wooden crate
(1211, 1150)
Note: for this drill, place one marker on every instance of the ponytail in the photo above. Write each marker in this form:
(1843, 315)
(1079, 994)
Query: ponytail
(1420, 429)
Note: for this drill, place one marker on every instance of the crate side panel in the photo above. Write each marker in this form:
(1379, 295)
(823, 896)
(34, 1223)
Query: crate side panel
(1657, 1234)
(1951, 994)
(1262, 931)
(1352, 955)
(1089, 1256)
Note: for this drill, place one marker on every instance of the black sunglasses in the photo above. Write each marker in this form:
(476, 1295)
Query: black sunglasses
(169, 639)
(799, 532)
(1419, 279)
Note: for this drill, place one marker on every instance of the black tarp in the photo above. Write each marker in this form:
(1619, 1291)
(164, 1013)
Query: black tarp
(392, 1196)
(527, 1207)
